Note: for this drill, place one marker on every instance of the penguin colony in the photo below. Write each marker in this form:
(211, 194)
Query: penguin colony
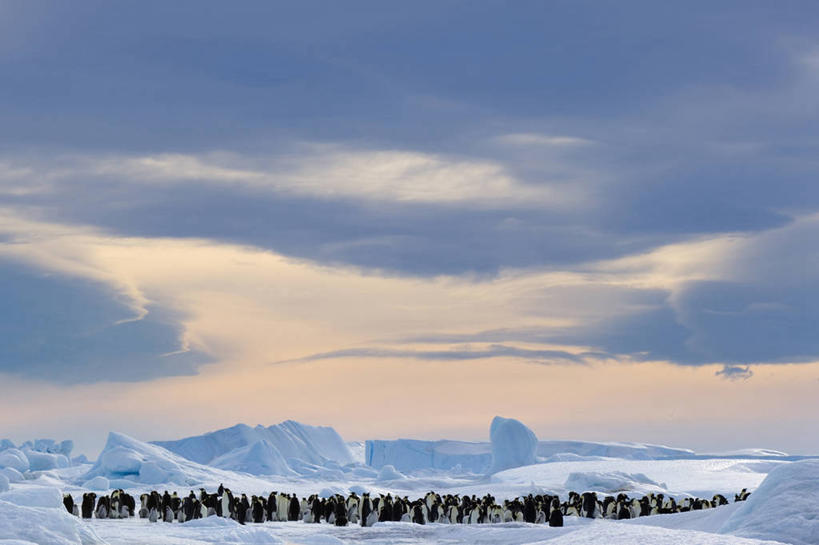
(366, 510)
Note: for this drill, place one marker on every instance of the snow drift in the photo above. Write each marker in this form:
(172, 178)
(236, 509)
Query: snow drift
(784, 507)
(627, 451)
(37, 516)
(611, 482)
(126, 461)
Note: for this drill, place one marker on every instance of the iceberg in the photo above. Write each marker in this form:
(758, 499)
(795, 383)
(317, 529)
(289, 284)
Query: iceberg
(312, 444)
(513, 444)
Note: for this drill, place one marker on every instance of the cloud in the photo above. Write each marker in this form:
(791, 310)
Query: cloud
(542, 140)
(319, 171)
(492, 351)
(735, 372)
(70, 330)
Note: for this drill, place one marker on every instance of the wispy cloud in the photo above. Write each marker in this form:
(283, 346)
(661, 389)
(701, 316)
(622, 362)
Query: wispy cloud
(321, 171)
(542, 140)
(462, 354)
(735, 372)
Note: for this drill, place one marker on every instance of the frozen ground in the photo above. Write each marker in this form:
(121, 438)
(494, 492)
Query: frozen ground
(580, 532)
(292, 458)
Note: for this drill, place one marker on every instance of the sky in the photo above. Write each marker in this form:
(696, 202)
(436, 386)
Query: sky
(402, 219)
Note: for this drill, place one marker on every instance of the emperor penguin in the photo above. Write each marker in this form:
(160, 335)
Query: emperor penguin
(555, 515)
(294, 509)
(340, 514)
(366, 507)
(68, 503)
(103, 505)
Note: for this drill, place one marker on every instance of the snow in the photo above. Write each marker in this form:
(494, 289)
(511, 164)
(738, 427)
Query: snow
(513, 444)
(702, 477)
(126, 461)
(11, 474)
(627, 451)
(97, 483)
(613, 533)
(576, 532)
(15, 459)
(611, 482)
(34, 496)
(260, 458)
(43, 461)
(409, 455)
(4, 483)
(54, 526)
(389, 473)
(785, 506)
(782, 506)
(312, 444)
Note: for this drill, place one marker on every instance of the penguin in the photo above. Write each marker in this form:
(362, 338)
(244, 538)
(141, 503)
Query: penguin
(283, 506)
(623, 511)
(317, 509)
(418, 513)
(555, 516)
(257, 509)
(340, 514)
(128, 503)
(68, 503)
(589, 505)
(529, 510)
(103, 507)
(366, 508)
(386, 510)
(168, 514)
(153, 506)
(226, 503)
(719, 500)
(241, 511)
(294, 510)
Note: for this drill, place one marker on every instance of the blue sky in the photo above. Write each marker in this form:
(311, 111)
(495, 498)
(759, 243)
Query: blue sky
(626, 182)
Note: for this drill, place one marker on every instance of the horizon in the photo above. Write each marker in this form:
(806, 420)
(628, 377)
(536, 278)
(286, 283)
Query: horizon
(697, 451)
(601, 219)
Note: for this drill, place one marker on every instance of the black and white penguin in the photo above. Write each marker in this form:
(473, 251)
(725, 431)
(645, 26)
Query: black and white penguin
(68, 502)
(555, 515)
(588, 505)
(155, 511)
(623, 512)
(258, 510)
(340, 514)
(89, 499)
(366, 508)
(317, 509)
(294, 510)
(529, 514)
(386, 510)
(719, 500)
(271, 507)
(418, 513)
(103, 507)
(240, 511)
